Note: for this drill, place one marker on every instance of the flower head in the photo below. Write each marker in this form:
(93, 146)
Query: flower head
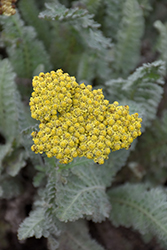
(78, 121)
(7, 7)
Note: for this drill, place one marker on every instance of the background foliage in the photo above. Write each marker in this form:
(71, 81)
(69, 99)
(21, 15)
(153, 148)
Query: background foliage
(121, 47)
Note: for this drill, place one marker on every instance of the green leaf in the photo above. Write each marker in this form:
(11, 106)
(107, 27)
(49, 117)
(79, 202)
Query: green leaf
(127, 49)
(92, 5)
(79, 191)
(40, 176)
(146, 6)
(57, 11)
(153, 145)
(85, 26)
(8, 105)
(143, 87)
(15, 162)
(86, 67)
(10, 113)
(4, 151)
(11, 187)
(34, 225)
(27, 139)
(18, 39)
(76, 236)
(112, 17)
(162, 41)
(31, 17)
(144, 210)
(95, 39)
(83, 195)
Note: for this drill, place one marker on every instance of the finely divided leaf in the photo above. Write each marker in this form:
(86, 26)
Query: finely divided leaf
(153, 145)
(84, 194)
(112, 17)
(34, 225)
(25, 51)
(92, 5)
(11, 186)
(162, 41)
(76, 236)
(12, 121)
(31, 17)
(145, 210)
(57, 11)
(143, 87)
(128, 38)
(8, 106)
(79, 191)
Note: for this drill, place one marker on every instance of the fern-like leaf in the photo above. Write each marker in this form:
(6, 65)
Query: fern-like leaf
(76, 236)
(146, 6)
(79, 191)
(112, 17)
(144, 210)
(86, 68)
(25, 51)
(8, 106)
(96, 40)
(92, 5)
(128, 38)
(34, 225)
(162, 41)
(92, 37)
(11, 186)
(30, 11)
(15, 162)
(153, 145)
(143, 87)
(84, 194)
(57, 11)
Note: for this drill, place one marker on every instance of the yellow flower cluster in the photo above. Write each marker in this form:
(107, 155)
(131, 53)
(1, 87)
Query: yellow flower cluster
(7, 7)
(77, 121)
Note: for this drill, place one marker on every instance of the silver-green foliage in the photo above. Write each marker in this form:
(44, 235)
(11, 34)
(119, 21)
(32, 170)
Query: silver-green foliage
(76, 236)
(34, 225)
(129, 35)
(10, 187)
(144, 87)
(81, 193)
(146, 6)
(154, 143)
(25, 51)
(73, 235)
(27, 140)
(43, 221)
(133, 205)
(112, 18)
(85, 26)
(10, 119)
(8, 105)
(162, 41)
(82, 30)
(57, 11)
(92, 5)
(31, 17)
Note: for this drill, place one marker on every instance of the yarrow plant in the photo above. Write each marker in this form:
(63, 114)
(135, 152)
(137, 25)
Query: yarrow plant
(77, 121)
(86, 149)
